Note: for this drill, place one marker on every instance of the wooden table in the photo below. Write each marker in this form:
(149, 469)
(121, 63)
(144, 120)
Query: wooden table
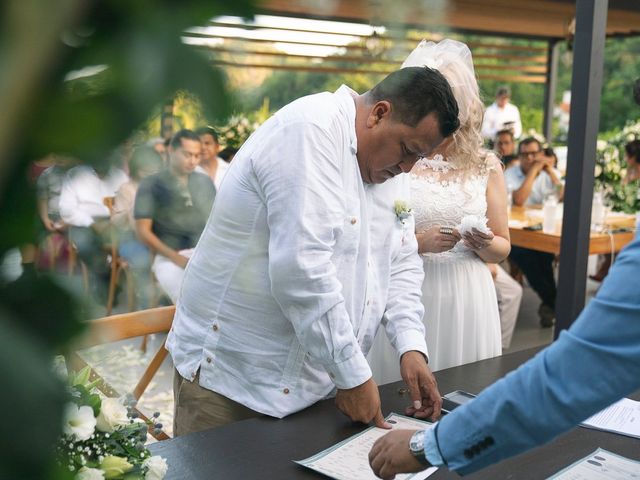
(265, 447)
(550, 242)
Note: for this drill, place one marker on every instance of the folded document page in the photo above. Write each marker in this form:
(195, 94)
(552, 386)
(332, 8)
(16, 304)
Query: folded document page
(349, 459)
(622, 417)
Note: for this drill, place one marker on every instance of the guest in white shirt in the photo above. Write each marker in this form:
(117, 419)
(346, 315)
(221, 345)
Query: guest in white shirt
(304, 256)
(83, 209)
(210, 163)
(501, 115)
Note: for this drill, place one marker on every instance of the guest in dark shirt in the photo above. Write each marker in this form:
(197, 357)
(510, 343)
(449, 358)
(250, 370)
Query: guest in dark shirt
(171, 210)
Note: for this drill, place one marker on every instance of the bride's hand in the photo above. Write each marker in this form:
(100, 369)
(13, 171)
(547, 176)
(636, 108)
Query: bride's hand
(437, 239)
(476, 240)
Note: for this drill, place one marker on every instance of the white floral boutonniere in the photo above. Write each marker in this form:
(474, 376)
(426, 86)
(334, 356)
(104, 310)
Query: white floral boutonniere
(402, 210)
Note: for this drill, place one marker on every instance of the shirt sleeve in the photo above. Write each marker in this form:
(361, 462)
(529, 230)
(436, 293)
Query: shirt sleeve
(122, 216)
(301, 180)
(553, 392)
(144, 205)
(488, 124)
(404, 310)
(517, 125)
(69, 205)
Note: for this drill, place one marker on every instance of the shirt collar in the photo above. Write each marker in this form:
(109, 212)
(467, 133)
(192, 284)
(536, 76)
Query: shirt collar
(346, 98)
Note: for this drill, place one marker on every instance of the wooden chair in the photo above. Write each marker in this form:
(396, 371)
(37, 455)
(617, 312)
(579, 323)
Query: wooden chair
(121, 327)
(118, 266)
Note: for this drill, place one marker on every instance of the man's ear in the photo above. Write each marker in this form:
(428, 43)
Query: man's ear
(379, 111)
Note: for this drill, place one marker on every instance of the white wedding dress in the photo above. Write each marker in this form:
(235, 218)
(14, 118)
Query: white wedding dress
(461, 310)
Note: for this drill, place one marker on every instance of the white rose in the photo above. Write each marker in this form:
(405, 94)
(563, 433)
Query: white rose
(601, 144)
(157, 468)
(79, 421)
(89, 474)
(229, 134)
(112, 415)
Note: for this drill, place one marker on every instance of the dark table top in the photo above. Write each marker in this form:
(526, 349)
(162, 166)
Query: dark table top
(266, 447)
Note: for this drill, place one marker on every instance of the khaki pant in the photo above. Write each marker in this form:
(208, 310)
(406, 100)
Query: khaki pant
(197, 408)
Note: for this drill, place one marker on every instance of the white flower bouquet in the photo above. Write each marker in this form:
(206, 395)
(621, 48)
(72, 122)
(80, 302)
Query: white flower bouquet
(103, 439)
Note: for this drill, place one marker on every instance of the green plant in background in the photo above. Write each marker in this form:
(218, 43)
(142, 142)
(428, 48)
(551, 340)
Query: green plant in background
(611, 169)
(77, 77)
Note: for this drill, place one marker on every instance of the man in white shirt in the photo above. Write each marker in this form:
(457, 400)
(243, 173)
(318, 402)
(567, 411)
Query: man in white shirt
(83, 209)
(210, 163)
(304, 256)
(501, 115)
(529, 184)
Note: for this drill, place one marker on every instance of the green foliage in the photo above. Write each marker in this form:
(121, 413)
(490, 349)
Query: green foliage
(41, 42)
(531, 118)
(611, 169)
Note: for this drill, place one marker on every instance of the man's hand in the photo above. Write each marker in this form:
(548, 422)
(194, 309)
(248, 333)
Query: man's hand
(390, 455)
(427, 401)
(362, 404)
(180, 260)
(48, 224)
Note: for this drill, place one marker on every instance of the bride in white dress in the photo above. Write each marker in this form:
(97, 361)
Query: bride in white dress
(463, 184)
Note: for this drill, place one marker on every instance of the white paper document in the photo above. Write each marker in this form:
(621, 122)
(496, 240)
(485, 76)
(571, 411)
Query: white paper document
(622, 417)
(601, 465)
(349, 459)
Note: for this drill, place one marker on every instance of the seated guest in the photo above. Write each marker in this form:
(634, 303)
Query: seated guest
(49, 188)
(509, 293)
(171, 210)
(52, 244)
(505, 145)
(82, 208)
(210, 163)
(145, 161)
(530, 183)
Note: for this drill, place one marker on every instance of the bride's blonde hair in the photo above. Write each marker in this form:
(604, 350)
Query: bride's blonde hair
(453, 60)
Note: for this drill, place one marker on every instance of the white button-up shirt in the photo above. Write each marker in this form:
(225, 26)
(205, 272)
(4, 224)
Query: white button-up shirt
(297, 267)
(496, 119)
(542, 185)
(83, 193)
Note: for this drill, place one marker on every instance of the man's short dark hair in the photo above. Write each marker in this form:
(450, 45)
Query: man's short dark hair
(176, 140)
(415, 92)
(528, 141)
(506, 131)
(636, 91)
(503, 90)
(208, 131)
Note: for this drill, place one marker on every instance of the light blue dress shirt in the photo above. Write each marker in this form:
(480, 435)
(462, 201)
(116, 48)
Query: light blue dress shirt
(542, 185)
(593, 364)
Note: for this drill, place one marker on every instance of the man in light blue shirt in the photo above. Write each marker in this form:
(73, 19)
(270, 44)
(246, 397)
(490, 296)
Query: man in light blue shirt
(530, 183)
(546, 396)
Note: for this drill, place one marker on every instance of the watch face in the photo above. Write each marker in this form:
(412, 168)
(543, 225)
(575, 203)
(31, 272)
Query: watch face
(417, 443)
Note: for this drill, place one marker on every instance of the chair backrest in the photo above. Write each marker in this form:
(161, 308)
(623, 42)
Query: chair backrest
(127, 325)
(121, 327)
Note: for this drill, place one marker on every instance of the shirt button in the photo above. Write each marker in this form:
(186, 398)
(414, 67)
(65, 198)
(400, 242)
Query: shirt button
(193, 375)
(285, 391)
(215, 327)
(332, 375)
(353, 220)
(209, 360)
(368, 302)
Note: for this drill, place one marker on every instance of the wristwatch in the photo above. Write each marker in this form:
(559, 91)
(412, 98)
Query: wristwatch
(416, 446)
